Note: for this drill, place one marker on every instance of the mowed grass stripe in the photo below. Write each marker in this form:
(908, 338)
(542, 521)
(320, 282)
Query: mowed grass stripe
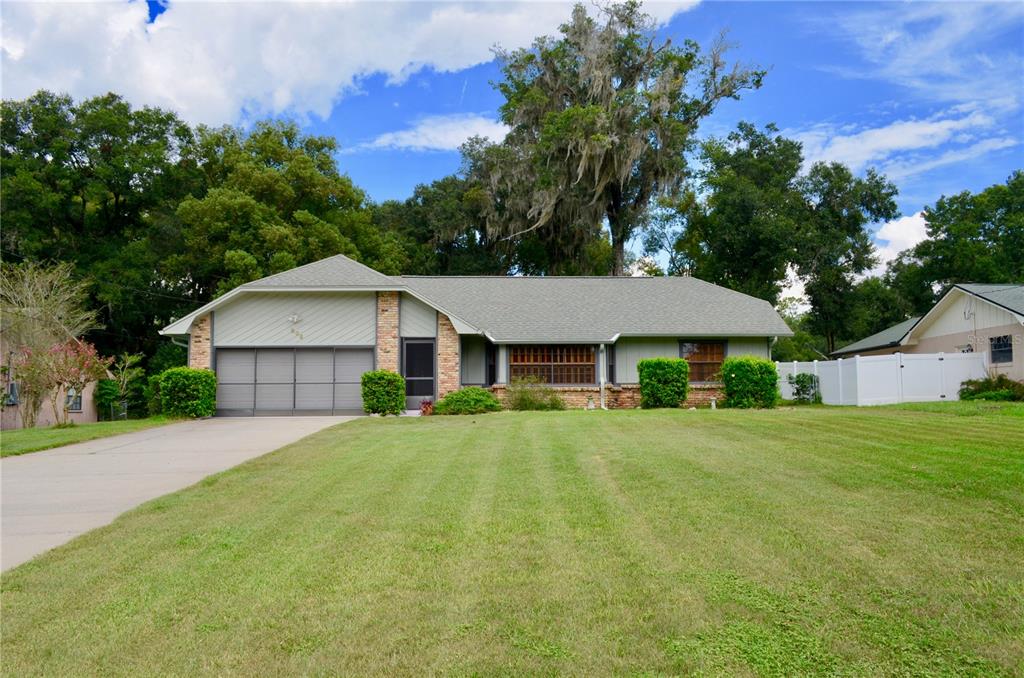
(805, 541)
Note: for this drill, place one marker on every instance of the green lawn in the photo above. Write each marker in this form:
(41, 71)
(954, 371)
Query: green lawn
(25, 440)
(800, 541)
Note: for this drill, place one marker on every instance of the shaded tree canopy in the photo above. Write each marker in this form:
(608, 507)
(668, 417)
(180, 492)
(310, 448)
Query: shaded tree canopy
(443, 228)
(274, 199)
(835, 247)
(600, 119)
(94, 184)
(743, 235)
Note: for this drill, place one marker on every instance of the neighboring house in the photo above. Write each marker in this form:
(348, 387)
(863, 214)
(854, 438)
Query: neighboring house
(299, 341)
(883, 343)
(82, 408)
(969, 318)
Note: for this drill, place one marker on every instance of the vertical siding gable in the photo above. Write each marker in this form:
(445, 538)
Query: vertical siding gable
(321, 319)
(966, 313)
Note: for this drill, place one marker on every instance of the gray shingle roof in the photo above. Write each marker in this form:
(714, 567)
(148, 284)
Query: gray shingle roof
(336, 271)
(547, 309)
(890, 336)
(1008, 295)
(592, 309)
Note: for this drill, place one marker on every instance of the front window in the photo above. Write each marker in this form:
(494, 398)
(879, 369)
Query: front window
(1002, 349)
(554, 364)
(705, 359)
(74, 401)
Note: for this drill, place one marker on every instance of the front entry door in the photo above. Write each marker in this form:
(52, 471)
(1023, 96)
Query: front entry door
(418, 368)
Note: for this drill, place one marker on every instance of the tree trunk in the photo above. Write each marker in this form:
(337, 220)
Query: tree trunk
(618, 242)
(619, 256)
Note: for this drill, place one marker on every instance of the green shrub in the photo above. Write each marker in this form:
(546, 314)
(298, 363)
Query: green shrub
(469, 400)
(107, 397)
(992, 387)
(663, 381)
(529, 393)
(1003, 394)
(805, 387)
(188, 392)
(138, 399)
(750, 382)
(151, 394)
(383, 392)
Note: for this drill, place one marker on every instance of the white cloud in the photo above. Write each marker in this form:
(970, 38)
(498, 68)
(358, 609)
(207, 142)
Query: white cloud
(911, 167)
(899, 235)
(907, 148)
(221, 61)
(864, 147)
(440, 133)
(942, 50)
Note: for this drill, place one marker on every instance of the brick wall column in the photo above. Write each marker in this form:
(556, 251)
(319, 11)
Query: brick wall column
(387, 331)
(200, 340)
(449, 369)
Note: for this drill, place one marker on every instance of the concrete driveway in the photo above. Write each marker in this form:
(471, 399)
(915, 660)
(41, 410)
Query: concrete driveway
(52, 497)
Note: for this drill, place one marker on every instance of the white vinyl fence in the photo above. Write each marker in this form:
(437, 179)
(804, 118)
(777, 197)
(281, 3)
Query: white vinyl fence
(886, 379)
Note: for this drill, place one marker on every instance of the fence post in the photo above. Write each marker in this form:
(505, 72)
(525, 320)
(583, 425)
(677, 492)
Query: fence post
(839, 371)
(817, 381)
(942, 376)
(856, 383)
(899, 376)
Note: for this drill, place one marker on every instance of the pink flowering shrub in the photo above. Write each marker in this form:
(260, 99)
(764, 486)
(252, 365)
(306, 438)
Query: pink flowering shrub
(71, 366)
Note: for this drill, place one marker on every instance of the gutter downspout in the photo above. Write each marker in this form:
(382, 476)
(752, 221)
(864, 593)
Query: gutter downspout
(603, 368)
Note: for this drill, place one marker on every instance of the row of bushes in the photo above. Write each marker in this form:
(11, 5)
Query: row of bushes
(747, 382)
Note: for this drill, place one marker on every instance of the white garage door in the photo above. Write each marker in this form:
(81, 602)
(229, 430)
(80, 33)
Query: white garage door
(275, 381)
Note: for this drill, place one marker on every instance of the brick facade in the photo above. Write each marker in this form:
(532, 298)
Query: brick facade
(700, 395)
(200, 340)
(623, 396)
(387, 331)
(449, 368)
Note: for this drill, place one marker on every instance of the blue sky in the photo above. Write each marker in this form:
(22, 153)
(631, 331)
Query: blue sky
(929, 93)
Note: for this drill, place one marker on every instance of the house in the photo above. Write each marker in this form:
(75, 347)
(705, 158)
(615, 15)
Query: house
(969, 318)
(81, 407)
(298, 341)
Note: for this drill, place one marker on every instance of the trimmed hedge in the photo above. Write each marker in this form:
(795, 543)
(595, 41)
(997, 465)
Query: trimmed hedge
(663, 381)
(383, 392)
(750, 382)
(469, 400)
(188, 392)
